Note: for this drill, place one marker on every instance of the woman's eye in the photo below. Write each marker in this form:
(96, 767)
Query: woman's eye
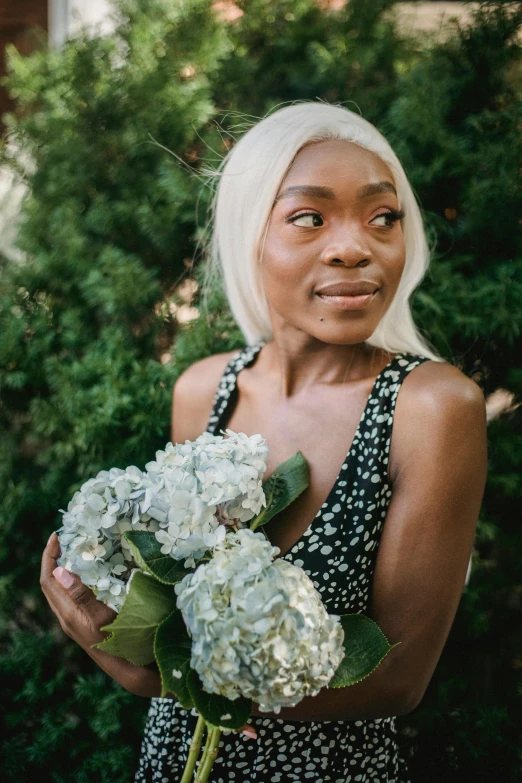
(391, 217)
(310, 216)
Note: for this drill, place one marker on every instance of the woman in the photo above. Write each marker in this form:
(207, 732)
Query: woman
(321, 243)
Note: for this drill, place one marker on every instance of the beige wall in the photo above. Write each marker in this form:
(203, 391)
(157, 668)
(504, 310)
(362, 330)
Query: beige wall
(67, 16)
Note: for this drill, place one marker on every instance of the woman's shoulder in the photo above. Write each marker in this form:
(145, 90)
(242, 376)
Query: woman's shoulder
(193, 395)
(433, 383)
(207, 368)
(437, 404)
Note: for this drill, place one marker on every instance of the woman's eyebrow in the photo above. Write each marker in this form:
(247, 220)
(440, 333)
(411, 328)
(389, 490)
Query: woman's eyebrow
(318, 191)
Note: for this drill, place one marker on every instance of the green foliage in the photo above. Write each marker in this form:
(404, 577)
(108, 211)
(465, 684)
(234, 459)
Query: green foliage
(132, 632)
(89, 318)
(61, 715)
(463, 148)
(172, 649)
(212, 706)
(285, 484)
(293, 50)
(365, 647)
(107, 232)
(147, 553)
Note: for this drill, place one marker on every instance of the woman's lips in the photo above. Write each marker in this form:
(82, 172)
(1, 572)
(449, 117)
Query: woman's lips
(348, 302)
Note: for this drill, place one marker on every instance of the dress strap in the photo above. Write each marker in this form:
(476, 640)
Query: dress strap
(377, 423)
(225, 396)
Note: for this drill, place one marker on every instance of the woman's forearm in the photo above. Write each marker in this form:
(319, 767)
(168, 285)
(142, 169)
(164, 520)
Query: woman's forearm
(140, 680)
(373, 697)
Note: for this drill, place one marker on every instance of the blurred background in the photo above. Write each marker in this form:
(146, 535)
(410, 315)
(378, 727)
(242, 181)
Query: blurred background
(112, 111)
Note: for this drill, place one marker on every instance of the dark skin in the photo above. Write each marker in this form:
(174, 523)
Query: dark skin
(307, 391)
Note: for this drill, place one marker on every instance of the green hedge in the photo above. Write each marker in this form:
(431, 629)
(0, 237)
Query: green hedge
(110, 132)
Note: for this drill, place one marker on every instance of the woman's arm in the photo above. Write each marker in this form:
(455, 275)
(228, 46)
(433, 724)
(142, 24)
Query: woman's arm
(81, 616)
(438, 464)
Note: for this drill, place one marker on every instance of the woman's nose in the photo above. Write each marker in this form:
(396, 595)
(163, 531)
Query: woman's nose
(348, 248)
(350, 258)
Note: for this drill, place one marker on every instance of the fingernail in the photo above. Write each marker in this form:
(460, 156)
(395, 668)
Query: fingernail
(49, 539)
(64, 577)
(250, 733)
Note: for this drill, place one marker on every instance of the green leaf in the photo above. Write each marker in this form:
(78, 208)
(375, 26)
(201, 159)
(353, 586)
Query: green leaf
(172, 649)
(146, 550)
(365, 646)
(213, 707)
(286, 483)
(147, 604)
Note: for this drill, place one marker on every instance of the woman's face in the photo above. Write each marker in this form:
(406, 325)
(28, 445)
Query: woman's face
(325, 230)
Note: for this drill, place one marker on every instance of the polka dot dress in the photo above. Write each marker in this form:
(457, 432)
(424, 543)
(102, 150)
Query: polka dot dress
(338, 553)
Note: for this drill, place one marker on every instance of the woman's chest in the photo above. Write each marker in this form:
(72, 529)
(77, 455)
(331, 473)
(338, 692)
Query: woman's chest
(322, 429)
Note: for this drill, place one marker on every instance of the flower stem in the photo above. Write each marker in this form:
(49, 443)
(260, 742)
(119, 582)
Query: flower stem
(209, 755)
(195, 746)
(204, 754)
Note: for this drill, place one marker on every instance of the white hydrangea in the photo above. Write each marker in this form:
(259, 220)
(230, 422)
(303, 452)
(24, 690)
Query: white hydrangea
(259, 628)
(175, 455)
(96, 516)
(231, 471)
(188, 527)
(187, 497)
(204, 485)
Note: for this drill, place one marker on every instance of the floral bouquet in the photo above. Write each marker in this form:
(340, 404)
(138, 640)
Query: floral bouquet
(173, 550)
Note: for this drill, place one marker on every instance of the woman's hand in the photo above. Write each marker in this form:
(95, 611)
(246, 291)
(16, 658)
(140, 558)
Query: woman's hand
(79, 613)
(81, 616)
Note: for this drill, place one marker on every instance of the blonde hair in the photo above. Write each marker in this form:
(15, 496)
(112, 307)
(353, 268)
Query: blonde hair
(249, 179)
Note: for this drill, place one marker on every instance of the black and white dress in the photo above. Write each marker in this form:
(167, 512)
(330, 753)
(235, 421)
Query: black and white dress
(338, 552)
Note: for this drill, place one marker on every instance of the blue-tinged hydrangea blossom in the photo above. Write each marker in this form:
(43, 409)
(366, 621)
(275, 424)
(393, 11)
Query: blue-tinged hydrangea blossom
(259, 627)
(91, 535)
(188, 497)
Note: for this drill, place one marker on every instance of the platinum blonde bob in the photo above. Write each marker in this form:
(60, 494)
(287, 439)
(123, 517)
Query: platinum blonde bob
(250, 176)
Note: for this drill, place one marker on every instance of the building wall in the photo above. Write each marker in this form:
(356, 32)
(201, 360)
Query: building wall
(67, 16)
(23, 23)
(18, 20)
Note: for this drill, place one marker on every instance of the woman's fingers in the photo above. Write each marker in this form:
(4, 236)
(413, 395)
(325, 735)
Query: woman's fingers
(248, 730)
(73, 602)
(49, 557)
